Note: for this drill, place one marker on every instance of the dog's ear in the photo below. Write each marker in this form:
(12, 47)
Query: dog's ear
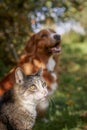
(30, 47)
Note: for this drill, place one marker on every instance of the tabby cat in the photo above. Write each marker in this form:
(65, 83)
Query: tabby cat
(18, 105)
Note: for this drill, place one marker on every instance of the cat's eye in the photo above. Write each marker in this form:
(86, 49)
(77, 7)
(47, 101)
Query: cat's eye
(44, 84)
(33, 87)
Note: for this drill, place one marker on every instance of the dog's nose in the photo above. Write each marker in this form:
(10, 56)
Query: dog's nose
(57, 37)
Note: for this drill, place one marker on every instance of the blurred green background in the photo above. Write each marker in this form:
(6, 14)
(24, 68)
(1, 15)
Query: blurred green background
(19, 19)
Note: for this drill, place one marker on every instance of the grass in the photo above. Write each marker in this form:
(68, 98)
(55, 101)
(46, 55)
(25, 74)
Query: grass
(69, 108)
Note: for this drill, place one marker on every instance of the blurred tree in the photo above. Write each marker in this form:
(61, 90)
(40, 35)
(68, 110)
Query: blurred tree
(18, 19)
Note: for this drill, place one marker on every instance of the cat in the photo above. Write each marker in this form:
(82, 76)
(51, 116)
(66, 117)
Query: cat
(18, 105)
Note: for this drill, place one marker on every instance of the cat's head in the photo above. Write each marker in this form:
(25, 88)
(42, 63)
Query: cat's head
(31, 88)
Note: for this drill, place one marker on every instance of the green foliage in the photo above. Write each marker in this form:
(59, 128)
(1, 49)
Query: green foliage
(73, 37)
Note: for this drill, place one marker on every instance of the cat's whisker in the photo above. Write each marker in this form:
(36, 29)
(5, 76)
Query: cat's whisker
(53, 100)
(51, 103)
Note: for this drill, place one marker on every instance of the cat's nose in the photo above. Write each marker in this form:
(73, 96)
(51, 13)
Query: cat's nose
(45, 92)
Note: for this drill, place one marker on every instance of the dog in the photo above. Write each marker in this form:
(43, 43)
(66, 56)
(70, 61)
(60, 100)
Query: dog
(42, 50)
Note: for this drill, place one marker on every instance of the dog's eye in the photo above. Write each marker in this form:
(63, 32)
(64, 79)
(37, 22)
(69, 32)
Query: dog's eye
(43, 35)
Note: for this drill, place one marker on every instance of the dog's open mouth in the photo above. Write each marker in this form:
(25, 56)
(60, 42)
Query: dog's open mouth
(56, 48)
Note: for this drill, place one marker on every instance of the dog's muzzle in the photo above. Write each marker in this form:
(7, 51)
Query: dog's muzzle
(57, 37)
(56, 48)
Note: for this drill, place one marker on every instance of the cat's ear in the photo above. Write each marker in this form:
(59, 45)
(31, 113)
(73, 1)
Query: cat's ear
(39, 72)
(19, 76)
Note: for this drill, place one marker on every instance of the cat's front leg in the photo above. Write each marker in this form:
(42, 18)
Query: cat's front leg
(23, 123)
(2, 126)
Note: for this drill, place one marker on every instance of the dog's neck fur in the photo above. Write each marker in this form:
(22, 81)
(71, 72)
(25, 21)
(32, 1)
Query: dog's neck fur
(45, 62)
(51, 64)
(43, 55)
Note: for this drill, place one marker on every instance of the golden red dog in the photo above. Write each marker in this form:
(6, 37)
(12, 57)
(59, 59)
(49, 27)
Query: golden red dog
(42, 50)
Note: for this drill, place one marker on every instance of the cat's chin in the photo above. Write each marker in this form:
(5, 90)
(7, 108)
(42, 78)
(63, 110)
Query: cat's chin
(42, 99)
(42, 105)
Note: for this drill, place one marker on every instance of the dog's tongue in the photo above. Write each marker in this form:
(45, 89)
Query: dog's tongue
(56, 49)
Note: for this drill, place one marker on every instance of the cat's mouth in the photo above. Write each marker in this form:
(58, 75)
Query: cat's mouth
(43, 99)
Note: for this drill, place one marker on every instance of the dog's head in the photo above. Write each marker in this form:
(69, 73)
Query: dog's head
(47, 41)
